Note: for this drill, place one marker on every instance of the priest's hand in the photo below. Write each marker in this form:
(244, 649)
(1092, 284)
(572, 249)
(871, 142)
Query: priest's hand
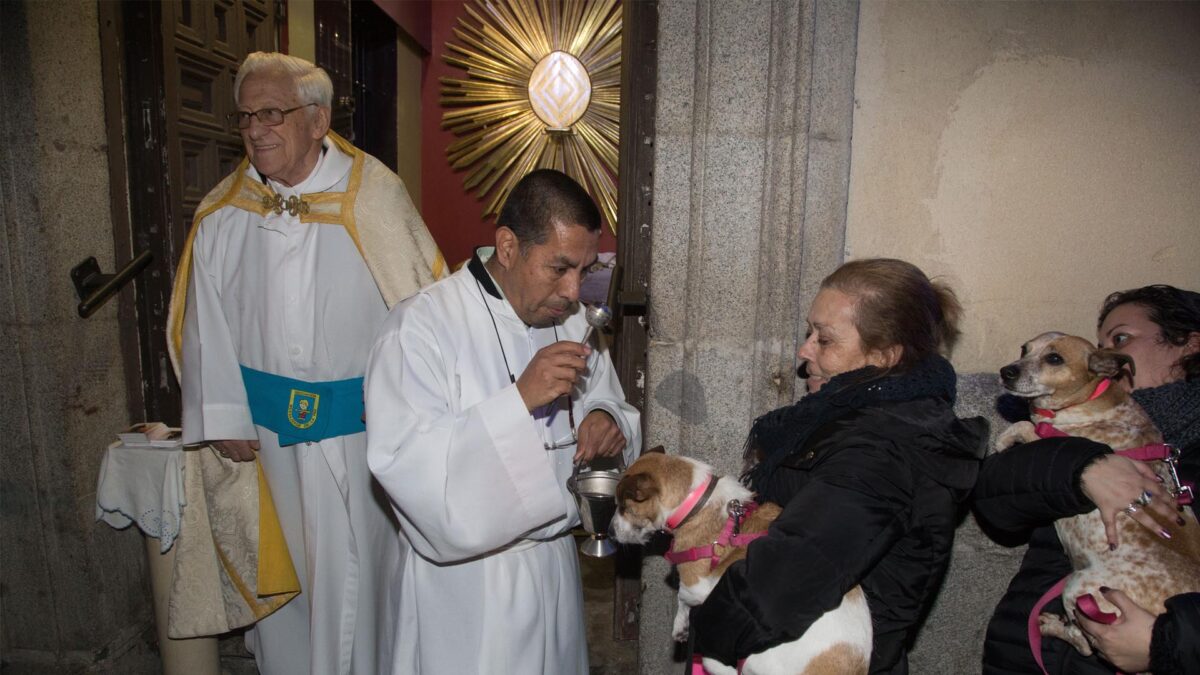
(238, 451)
(599, 436)
(552, 373)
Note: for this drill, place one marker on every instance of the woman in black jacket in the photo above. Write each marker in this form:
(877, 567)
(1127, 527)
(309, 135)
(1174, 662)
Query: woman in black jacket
(870, 468)
(1028, 487)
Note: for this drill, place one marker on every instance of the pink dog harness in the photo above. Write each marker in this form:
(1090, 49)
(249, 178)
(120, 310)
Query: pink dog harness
(1151, 452)
(731, 537)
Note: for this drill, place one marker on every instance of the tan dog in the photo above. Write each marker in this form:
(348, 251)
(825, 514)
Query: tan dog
(1066, 380)
(650, 495)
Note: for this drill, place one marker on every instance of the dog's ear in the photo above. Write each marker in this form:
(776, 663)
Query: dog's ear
(638, 488)
(1109, 363)
(656, 449)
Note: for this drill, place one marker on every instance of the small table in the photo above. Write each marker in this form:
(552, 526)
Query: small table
(145, 486)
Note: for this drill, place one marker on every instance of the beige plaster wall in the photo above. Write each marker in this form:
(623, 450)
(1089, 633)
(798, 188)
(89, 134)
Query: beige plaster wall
(408, 114)
(75, 595)
(1037, 154)
(302, 34)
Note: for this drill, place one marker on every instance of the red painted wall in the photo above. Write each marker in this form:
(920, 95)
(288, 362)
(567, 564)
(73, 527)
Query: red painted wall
(453, 215)
(412, 16)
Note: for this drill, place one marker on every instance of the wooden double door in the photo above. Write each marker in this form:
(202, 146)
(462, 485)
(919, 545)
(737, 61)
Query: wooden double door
(168, 71)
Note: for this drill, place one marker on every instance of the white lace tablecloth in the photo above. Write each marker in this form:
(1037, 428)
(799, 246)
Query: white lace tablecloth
(143, 486)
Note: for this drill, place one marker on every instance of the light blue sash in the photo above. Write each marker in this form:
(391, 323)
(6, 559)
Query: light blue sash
(304, 411)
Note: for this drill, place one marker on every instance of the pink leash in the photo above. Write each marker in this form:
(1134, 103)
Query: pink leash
(1084, 603)
(1035, 634)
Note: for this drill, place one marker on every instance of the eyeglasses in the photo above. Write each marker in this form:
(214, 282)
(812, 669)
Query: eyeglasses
(269, 117)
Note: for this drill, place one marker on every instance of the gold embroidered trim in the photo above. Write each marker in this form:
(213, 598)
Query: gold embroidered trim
(294, 205)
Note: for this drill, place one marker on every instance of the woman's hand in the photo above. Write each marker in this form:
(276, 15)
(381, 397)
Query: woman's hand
(1115, 484)
(1125, 643)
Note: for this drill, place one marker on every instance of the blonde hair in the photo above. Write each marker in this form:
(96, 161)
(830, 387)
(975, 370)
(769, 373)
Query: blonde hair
(895, 304)
(312, 82)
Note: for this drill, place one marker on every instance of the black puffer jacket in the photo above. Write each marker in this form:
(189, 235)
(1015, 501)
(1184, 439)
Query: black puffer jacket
(1023, 490)
(1174, 649)
(872, 498)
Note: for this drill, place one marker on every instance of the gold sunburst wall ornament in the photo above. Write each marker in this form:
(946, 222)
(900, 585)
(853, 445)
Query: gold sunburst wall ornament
(543, 90)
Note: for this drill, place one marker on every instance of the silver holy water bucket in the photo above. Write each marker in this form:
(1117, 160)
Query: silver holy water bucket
(595, 493)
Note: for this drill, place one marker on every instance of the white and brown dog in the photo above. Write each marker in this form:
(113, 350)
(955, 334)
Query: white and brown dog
(712, 519)
(1066, 380)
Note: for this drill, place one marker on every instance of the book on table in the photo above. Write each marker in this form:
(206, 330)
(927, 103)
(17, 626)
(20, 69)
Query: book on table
(151, 435)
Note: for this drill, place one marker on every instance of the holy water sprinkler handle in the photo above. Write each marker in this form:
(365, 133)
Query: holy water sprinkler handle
(598, 316)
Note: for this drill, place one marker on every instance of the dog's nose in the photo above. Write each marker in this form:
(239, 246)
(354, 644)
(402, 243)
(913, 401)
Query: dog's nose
(1010, 373)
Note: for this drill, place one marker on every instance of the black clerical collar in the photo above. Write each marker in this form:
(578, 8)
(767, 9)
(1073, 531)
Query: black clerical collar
(482, 275)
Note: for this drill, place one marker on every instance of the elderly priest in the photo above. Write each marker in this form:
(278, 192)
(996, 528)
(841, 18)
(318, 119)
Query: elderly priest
(289, 270)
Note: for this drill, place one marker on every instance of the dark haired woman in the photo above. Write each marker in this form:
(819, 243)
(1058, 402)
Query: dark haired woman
(1027, 488)
(870, 468)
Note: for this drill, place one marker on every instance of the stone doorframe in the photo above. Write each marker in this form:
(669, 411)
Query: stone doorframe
(754, 114)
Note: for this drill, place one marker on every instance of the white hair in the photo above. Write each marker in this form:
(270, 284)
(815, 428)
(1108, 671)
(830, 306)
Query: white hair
(312, 82)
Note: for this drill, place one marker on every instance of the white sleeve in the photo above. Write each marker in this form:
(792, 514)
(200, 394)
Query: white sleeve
(463, 483)
(214, 396)
(602, 391)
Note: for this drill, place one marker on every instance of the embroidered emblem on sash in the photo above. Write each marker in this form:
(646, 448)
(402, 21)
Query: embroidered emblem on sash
(302, 408)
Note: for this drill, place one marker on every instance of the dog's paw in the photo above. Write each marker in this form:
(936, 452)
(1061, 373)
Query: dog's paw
(1021, 432)
(1056, 626)
(679, 629)
(1052, 625)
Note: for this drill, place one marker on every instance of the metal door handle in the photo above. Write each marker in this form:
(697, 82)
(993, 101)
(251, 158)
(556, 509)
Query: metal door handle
(95, 288)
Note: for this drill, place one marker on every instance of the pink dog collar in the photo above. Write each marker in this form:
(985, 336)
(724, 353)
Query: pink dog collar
(685, 509)
(1100, 389)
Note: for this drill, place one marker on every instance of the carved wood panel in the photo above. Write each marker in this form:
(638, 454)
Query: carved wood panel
(179, 89)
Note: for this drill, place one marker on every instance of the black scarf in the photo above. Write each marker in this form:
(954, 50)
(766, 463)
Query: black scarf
(1175, 409)
(784, 431)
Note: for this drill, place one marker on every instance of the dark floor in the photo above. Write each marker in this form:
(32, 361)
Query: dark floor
(607, 656)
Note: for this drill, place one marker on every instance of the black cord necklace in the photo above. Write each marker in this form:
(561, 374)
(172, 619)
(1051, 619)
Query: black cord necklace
(513, 378)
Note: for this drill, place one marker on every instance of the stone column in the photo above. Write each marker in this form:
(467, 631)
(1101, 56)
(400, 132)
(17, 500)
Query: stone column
(75, 595)
(752, 150)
